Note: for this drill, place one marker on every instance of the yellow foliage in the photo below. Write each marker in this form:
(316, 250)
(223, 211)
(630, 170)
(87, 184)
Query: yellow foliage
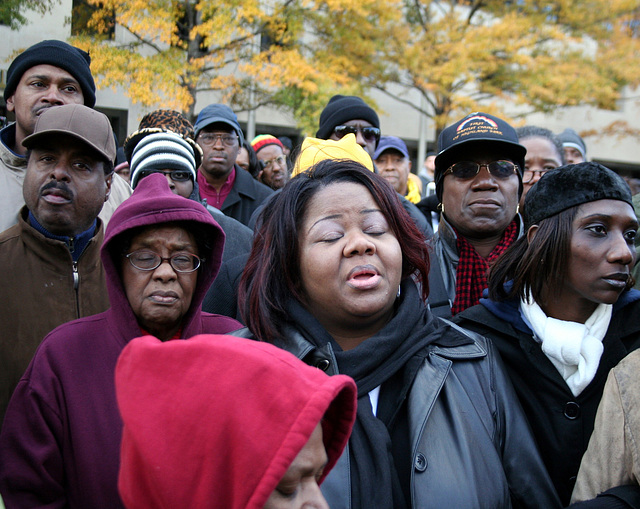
(538, 53)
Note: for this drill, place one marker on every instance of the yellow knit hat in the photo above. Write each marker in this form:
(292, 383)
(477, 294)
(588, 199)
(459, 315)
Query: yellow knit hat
(315, 150)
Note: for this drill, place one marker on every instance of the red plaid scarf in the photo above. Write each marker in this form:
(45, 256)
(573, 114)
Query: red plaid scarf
(471, 275)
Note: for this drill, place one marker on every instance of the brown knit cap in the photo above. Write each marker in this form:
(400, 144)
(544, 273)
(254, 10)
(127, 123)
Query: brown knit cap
(163, 121)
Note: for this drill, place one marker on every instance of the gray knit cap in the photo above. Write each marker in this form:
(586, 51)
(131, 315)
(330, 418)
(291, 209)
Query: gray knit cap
(571, 139)
(162, 151)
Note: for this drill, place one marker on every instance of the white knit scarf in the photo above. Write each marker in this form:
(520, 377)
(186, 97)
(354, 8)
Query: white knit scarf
(573, 348)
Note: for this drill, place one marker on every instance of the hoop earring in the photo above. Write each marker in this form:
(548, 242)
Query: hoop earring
(630, 282)
(440, 208)
(399, 292)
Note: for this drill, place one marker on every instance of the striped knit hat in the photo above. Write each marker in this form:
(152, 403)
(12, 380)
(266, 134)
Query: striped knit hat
(264, 140)
(162, 151)
(159, 121)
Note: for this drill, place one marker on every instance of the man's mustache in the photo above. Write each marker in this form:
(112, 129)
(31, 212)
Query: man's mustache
(61, 187)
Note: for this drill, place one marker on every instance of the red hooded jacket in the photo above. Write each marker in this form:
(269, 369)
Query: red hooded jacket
(215, 422)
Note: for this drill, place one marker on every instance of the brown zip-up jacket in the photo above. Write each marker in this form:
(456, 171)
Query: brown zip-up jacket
(40, 288)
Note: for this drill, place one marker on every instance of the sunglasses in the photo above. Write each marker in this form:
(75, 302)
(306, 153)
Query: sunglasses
(368, 133)
(466, 170)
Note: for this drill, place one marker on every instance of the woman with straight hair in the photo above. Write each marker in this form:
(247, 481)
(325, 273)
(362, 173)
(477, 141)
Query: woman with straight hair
(338, 277)
(560, 310)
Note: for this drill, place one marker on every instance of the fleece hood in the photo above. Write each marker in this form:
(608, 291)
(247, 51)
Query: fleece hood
(153, 203)
(216, 421)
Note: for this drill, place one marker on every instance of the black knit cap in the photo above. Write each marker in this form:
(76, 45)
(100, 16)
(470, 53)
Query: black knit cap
(341, 109)
(572, 185)
(59, 54)
(477, 129)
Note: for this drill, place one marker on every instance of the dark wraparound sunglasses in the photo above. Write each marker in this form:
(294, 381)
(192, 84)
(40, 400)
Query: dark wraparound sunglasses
(368, 133)
(465, 170)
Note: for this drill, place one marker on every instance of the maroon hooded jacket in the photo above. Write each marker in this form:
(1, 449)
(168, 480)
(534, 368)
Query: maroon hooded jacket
(60, 439)
(215, 422)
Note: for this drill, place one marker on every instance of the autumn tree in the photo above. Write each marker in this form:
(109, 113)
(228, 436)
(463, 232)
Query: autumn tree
(12, 11)
(253, 52)
(535, 55)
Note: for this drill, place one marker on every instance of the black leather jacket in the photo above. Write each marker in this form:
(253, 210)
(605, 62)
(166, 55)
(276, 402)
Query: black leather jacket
(470, 443)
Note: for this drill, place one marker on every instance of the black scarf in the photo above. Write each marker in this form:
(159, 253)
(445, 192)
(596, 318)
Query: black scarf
(374, 482)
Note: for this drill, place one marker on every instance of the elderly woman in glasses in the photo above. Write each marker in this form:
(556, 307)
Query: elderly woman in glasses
(478, 180)
(60, 441)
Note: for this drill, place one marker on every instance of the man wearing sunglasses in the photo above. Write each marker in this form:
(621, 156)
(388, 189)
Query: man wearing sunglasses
(478, 180)
(344, 115)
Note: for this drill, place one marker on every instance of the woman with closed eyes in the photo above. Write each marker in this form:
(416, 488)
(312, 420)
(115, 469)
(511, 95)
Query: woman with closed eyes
(332, 279)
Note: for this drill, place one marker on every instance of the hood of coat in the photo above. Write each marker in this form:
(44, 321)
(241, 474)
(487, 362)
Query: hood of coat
(200, 432)
(153, 203)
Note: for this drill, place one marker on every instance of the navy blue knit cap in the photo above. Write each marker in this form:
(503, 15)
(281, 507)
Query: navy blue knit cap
(59, 54)
(341, 109)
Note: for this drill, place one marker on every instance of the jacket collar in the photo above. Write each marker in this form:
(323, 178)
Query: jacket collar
(9, 157)
(457, 343)
(453, 343)
(52, 249)
(509, 310)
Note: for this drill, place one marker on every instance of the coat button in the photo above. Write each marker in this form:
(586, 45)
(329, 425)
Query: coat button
(572, 410)
(323, 364)
(420, 462)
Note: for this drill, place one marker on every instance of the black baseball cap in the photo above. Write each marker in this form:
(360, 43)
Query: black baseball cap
(477, 129)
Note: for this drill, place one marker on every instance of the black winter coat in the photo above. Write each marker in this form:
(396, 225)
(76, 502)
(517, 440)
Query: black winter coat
(469, 443)
(561, 422)
(245, 197)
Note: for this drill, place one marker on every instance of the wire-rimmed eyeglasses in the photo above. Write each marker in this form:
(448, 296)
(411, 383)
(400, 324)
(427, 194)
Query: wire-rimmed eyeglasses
(146, 260)
(228, 140)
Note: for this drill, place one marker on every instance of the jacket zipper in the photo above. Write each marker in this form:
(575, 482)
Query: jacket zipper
(76, 275)
(76, 284)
